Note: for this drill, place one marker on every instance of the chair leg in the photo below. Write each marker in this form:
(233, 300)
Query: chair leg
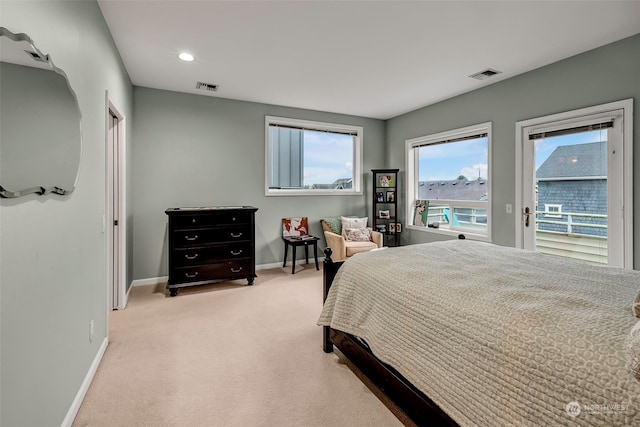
(286, 247)
(293, 261)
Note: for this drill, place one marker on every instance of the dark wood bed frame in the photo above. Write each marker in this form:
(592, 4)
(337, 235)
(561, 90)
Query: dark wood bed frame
(415, 404)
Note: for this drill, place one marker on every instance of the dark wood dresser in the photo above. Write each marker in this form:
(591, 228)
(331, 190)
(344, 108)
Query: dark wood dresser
(212, 244)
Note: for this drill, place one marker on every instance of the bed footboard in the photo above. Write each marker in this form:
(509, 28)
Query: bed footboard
(330, 268)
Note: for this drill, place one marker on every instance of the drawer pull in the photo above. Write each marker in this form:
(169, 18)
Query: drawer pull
(194, 256)
(233, 219)
(191, 276)
(236, 235)
(193, 221)
(238, 270)
(236, 252)
(195, 236)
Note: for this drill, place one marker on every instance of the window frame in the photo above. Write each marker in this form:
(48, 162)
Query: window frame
(619, 179)
(325, 127)
(411, 194)
(550, 213)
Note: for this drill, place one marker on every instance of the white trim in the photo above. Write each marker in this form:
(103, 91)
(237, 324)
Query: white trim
(163, 279)
(581, 116)
(573, 178)
(112, 106)
(149, 281)
(358, 158)
(553, 214)
(279, 264)
(411, 166)
(84, 387)
(451, 233)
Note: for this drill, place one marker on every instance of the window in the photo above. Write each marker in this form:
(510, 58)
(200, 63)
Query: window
(552, 210)
(305, 157)
(451, 170)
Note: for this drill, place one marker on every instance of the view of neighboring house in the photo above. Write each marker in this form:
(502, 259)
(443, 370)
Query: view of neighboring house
(338, 184)
(454, 189)
(572, 182)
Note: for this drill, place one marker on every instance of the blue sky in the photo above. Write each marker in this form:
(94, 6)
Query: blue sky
(544, 147)
(469, 158)
(327, 157)
(449, 161)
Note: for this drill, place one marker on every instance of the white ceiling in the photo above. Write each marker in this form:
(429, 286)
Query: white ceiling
(375, 59)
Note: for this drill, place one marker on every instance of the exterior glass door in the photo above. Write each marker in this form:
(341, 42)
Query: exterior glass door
(574, 184)
(570, 185)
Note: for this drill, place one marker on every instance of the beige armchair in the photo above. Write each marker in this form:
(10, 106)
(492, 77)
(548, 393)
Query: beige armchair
(342, 248)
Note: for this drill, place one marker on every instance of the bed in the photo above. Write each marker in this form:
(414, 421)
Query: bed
(469, 333)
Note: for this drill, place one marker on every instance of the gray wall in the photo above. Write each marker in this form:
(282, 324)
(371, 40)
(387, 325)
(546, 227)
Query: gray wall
(52, 249)
(606, 74)
(194, 150)
(199, 150)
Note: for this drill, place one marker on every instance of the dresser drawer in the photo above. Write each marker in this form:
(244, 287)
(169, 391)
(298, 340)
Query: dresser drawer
(205, 255)
(217, 219)
(215, 271)
(204, 236)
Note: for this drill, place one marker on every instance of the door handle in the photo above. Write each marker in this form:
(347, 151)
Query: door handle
(527, 214)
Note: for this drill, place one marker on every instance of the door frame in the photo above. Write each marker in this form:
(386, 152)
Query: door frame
(627, 174)
(120, 278)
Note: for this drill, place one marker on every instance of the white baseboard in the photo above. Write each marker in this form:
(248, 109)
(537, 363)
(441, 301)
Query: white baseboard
(163, 279)
(149, 281)
(279, 264)
(84, 387)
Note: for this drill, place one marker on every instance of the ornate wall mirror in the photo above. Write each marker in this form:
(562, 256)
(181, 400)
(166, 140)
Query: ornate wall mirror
(40, 121)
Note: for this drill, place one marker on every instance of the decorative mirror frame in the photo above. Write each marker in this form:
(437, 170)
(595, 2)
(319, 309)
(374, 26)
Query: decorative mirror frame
(42, 190)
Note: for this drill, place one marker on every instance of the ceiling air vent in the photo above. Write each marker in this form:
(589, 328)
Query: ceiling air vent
(207, 86)
(36, 56)
(483, 75)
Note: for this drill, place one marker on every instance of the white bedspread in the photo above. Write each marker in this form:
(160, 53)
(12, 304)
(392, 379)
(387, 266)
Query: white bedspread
(494, 335)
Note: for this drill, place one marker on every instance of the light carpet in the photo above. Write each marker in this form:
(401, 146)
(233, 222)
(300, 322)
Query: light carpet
(228, 355)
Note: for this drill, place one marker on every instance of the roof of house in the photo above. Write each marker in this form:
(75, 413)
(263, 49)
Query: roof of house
(575, 161)
(338, 184)
(454, 189)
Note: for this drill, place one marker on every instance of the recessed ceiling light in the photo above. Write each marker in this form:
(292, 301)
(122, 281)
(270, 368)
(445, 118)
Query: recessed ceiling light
(187, 57)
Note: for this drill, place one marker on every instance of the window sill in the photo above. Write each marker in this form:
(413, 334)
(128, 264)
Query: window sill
(270, 193)
(452, 233)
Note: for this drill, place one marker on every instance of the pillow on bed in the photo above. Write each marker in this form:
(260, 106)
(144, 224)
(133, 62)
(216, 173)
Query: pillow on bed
(358, 234)
(636, 305)
(633, 351)
(348, 222)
